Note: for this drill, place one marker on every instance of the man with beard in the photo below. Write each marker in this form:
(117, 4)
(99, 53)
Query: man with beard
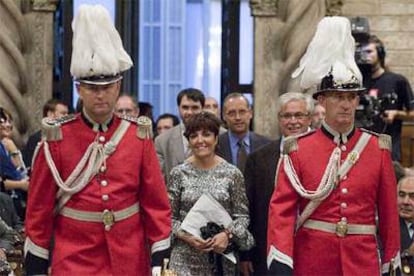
(238, 142)
(172, 146)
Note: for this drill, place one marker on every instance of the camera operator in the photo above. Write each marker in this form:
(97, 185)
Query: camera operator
(389, 86)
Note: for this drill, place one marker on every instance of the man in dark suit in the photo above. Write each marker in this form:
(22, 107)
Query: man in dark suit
(52, 109)
(238, 141)
(406, 210)
(294, 116)
(405, 202)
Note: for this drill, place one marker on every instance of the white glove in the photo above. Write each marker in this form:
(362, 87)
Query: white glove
(156, 271)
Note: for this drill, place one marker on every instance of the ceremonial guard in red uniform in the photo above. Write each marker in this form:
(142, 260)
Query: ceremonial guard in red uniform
(335, 189)
(96, 186)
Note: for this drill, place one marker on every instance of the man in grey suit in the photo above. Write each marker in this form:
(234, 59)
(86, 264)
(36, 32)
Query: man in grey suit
(171, 146)
(294, 116)
(238, 141)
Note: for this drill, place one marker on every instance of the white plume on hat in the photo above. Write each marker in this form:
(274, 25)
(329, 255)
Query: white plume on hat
(331, 50)
(97, 46)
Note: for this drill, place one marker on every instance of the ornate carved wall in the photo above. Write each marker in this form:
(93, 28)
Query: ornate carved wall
(283, 29)
(26, 55)
(392, 21)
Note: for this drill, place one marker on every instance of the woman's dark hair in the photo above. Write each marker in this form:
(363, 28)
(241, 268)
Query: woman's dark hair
(5, 114)
(202, 121)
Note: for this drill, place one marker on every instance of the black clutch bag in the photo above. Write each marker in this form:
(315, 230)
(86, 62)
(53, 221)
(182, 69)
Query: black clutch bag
(212, 229)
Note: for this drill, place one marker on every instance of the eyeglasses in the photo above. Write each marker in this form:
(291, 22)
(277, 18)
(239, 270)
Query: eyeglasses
(233, 113)
(3, 121)
(403, 194)
(291, 116)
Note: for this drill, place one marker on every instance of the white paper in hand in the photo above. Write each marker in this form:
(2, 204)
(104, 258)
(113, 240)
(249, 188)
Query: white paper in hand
(206, 209)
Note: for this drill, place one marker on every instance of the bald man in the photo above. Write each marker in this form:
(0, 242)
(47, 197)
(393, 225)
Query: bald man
(406, 210)
(127, 105)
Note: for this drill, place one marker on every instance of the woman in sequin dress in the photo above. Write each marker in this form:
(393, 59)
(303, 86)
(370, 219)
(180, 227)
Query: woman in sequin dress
(205, 172)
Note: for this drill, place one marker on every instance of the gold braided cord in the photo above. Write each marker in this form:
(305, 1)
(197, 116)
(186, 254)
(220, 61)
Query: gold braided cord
(93, 159)
(325, 186)
(334, 172)
(79, 174)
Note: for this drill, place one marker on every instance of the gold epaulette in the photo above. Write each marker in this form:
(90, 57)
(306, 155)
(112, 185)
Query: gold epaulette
(51, 127)
(291, 143)
(144, 129)
(384, 140)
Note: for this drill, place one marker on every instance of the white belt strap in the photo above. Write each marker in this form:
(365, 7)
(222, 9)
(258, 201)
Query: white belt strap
(341, 228)
(107, 217)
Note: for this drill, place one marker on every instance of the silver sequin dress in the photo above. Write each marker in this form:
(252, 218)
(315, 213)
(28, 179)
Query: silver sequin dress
(226, 184)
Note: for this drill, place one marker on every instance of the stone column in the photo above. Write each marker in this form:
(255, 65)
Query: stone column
(266, 25)
(282, 31)
(26, 52)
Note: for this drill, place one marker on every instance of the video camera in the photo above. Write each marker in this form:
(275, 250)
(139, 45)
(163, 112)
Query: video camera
(371, 106)
(360, 32)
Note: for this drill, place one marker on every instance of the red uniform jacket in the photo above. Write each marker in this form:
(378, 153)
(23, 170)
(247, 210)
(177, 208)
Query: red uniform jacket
(369, 187)
(132, 175)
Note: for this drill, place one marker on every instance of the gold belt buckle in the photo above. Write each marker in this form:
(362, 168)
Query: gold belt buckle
(341, 228)
(406, 269)
(108, 219)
